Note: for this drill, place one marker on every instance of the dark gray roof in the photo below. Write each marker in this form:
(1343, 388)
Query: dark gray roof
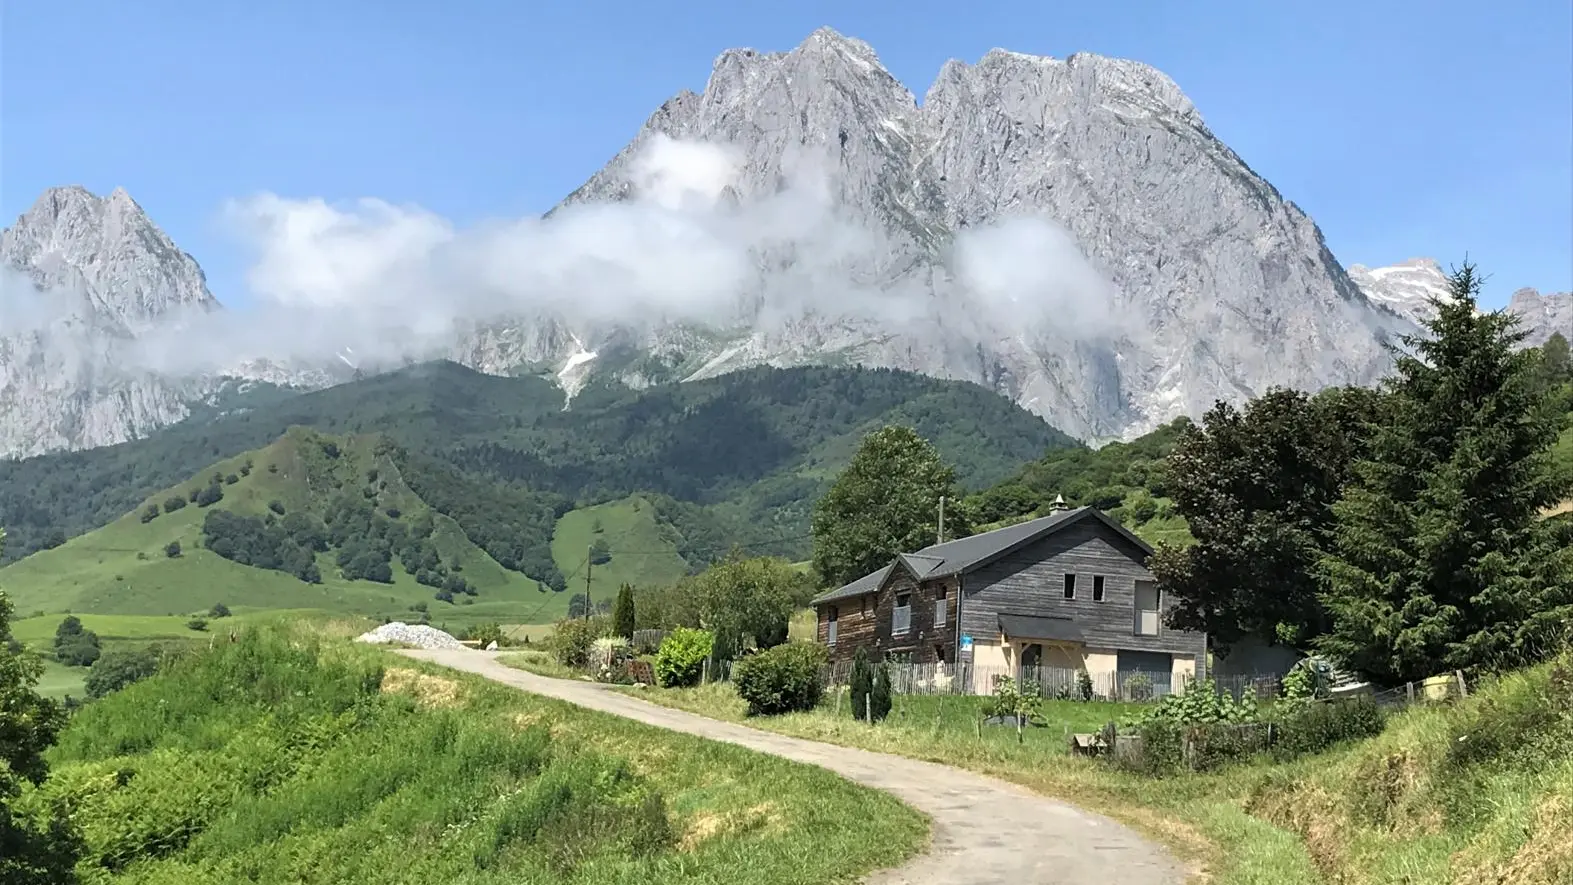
(965, 554)
(866, 584)
(1054, 629)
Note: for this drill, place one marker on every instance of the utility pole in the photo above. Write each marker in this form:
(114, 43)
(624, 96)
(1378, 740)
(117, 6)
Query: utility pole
(941, 536)
(589, 563)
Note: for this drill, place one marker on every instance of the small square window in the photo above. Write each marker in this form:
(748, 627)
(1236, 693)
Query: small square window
(1097, 588)
(1070, 586)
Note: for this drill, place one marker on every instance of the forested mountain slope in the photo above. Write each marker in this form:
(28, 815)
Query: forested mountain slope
(735, 459)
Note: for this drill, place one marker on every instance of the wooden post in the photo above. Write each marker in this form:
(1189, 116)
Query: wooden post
(868, 708)
(589, 563)
(1410, 688)
(1019, 736)
(1463, 690)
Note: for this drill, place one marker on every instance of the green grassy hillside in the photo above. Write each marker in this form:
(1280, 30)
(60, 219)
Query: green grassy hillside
(283, 758)
(1467, 794)
(127, 566)
(637, 546)
(734, 459)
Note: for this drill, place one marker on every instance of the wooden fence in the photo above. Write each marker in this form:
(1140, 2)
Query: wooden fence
(1053, 682)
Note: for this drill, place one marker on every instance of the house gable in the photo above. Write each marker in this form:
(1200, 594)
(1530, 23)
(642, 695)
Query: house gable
(1030, 581)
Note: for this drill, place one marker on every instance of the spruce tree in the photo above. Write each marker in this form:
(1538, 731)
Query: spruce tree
(1441, 559)
(862, 684)
(623, 613)
(879, 697)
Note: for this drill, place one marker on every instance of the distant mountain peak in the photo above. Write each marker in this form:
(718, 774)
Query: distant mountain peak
(1405, 288)
(1542, 314)
(108, 250)
(1149, 219)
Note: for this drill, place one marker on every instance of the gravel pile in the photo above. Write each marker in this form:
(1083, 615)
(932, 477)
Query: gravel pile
(418, 635)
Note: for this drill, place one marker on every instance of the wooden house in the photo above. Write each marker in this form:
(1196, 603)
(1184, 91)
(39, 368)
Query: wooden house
(1065, 593)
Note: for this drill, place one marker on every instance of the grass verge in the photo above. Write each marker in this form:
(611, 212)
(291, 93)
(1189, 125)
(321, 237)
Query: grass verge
(288, 757)
(1464, 794)
(1201, 818)
(538, 662)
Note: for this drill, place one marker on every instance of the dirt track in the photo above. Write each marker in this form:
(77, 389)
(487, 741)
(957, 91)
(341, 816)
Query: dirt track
(986, 831)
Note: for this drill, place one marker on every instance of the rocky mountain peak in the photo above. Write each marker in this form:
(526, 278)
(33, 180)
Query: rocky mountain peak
(1082, 79)
(1405, 288)
(1542, 314)
(107, 251)
(1221, 287)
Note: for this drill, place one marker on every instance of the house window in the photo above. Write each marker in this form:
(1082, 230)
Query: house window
(1070, 586)
(939, 654)
(1097, 588)
(830, 631)
(901, 620)
(940, 599)
(1146, 608)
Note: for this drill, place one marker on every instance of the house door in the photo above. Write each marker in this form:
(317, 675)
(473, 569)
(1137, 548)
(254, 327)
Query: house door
(1031, 660)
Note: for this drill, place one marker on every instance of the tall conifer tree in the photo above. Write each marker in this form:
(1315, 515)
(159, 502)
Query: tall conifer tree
(1441, 558)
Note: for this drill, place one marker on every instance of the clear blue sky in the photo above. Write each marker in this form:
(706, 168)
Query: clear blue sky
(1404, 127)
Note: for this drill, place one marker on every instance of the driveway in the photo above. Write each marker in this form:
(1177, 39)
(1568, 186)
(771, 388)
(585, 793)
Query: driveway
(986, 831)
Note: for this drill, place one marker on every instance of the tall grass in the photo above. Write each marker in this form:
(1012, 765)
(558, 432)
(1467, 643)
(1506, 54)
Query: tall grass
(1461, 794)
(287, 757)
(1478, 792)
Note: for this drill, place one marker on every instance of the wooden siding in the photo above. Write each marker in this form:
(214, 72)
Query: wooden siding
(873, 630)
(1030, 581)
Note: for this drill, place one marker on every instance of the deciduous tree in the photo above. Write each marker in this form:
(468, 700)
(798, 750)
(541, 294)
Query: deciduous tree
(746, 599)
(885, 502)
(33, 851)
(1257, 486)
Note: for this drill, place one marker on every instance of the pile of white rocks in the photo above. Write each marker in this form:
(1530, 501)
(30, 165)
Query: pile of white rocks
(417, 635)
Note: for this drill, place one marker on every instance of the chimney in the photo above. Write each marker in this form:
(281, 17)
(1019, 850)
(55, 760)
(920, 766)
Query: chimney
(1059, 505)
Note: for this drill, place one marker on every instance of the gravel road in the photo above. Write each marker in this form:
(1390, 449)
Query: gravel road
(986, 831)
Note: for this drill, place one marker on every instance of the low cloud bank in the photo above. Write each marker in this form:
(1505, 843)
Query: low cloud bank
(691, 243)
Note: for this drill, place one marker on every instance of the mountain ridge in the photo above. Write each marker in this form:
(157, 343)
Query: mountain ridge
(1062, 232)
(738, 459)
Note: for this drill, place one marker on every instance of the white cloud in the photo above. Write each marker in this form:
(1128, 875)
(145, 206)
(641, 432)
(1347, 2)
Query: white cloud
(392, 281)
(684, 174)
(1032, 268)
(23, 307)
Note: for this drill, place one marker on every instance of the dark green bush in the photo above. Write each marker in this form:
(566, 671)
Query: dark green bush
(1162, 749)
(1326, 723)
(486, 634)
(879, 697)
(119, 669)
(783, 679)
(1217, 745)
(862, 683)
